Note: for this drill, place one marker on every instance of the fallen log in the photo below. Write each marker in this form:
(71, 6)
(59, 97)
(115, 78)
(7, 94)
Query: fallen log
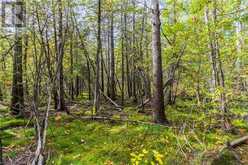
(237, 142)
(117, 106)
(144, 103)
(228, 155)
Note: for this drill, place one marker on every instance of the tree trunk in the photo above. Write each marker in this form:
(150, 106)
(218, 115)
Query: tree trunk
(122, 59)
(158, 96)
(60, 56)
(71, 68)
(112, 59)
(126, 57)
(17, 100)
(99, 47)
(26, 43)
(89, 80)
(55, 93)
(217, 69)
(239, 43)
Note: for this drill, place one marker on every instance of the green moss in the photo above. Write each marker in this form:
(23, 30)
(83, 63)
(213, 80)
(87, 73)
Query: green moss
(11, 122)
(74, 141)
(16, 139)
(226, 158)
(240, 123)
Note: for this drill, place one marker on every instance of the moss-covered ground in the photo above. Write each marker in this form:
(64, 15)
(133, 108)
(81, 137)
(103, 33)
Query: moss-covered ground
(194, 137)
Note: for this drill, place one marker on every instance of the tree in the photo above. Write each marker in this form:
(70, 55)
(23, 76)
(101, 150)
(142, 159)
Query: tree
(17, 100)
(218, 77)
(60, 57)
(112, 58)
(99, 47)
(158, 95)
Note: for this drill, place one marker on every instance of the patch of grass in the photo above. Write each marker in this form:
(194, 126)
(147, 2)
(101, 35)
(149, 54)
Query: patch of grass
(15, 139)
(9, 122)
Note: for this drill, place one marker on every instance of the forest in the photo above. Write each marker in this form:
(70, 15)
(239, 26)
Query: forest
(124, 82)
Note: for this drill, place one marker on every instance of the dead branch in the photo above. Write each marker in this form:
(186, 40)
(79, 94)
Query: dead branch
(117, 106)
(237, 142)
(144, 103)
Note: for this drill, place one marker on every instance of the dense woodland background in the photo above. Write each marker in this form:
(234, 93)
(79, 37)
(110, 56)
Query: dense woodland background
(124, 82)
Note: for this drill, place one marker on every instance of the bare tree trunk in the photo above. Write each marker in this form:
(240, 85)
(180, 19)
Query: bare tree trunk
(239, 43)
(71, 68)
(1, 93)
(112, 59)
(214, 81)
(89, 80)
(217, 69)
(99, 47)
(17, 99)
(108, 59)
(158, 96)
(122, 60)
(129, 89)
(26, 43)
(55, 93)
(60, 56)
(41, 131)
(134, 56)
(102, 72)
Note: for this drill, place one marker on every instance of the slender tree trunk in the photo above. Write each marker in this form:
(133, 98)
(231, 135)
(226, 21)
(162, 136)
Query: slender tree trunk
(212, 55)
(89, 80)
(134, 56)
(55, 93)
(221, 76)
(25, 64)
(239, 43)
(126, 55)
(1, 93)
(71, 68)
(112, 59)
(102, 72)
(99, 47)
(108, 59)
(122, 60)
(158, 96)
(60, 57)
(217, 69)
(17, 100)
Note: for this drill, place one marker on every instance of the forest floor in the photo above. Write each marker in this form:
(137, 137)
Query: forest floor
(194, 137)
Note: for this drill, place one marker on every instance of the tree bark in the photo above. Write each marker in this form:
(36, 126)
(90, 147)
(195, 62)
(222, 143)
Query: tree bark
(99, 47)
(112, 59)
(71, 68)
(158, 96)
(17, 99)
(60, 57)
(122, 59)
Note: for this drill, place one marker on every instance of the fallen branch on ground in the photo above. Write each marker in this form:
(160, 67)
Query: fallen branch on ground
(144, 103)
(117, 106)
(237, 142)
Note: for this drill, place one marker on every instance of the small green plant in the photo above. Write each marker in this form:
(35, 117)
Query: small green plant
(146, 157)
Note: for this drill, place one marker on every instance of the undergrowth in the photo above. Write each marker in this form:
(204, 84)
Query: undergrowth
(189, 138)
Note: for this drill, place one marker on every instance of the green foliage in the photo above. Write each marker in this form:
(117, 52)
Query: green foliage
(226, 157)
(240, 123)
